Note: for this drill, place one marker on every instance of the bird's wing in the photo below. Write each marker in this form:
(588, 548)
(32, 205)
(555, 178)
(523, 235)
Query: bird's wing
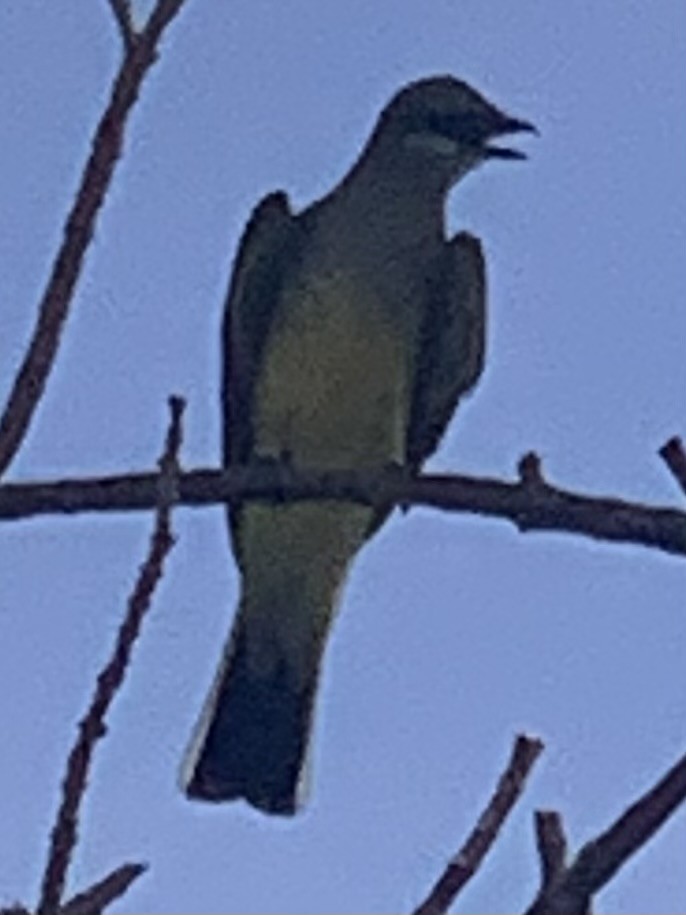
(451, 354)
(267, 249)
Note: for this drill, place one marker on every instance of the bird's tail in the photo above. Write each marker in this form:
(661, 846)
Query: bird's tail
(252, 738)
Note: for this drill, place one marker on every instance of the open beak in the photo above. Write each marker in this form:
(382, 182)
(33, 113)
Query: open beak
(507, 126)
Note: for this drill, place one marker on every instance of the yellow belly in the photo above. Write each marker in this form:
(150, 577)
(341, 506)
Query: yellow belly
(334, 389)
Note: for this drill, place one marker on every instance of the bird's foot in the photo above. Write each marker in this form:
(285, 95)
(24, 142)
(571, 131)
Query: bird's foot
(399, 474)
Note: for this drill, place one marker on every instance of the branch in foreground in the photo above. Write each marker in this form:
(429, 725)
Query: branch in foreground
(92, 728)
(569, 890)
(466, 862)
(532, 505)
(78, 230)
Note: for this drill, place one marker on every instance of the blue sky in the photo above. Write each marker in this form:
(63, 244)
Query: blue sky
(455, 632)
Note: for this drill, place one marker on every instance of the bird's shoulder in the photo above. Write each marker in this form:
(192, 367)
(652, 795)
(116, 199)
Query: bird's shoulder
(269, 247)
(266, 235)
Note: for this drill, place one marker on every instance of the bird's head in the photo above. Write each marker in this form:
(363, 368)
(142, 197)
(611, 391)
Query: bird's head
(445, 127)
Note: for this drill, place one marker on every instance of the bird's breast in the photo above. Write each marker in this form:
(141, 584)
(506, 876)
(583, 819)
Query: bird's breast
(335, 381)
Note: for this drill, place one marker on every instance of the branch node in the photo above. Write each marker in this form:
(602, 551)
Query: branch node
(530, 470)
(123, 16)
(551, 844)
(674, 456)
(570, 888)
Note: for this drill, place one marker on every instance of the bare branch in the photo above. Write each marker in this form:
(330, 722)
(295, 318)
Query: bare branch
(530, 469)
(465, 864)
(674, 456)
(121, 10)
(162, 14)
(551, 843)
(92, 727)
(78, 230)
(96, 898)
(571, 889)
(537, 507)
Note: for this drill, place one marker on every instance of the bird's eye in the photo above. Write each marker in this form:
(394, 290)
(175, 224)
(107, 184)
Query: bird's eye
(444, 124)
(465, 127)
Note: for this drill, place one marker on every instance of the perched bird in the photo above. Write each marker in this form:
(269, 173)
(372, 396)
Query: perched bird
(351, 331)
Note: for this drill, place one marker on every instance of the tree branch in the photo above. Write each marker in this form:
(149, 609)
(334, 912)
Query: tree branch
(530, 505)
(121, 10)
(106, 149)
(674, 456)
(569, 890)
(466, 862)
(551, 843)
(96, 898)
(92, 728)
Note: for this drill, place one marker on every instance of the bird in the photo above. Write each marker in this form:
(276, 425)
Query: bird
(351, 331)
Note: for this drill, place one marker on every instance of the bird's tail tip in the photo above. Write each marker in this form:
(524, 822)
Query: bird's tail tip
(251, 741)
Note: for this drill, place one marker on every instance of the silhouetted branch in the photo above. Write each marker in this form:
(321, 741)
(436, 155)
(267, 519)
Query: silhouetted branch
(569, 890)
(106, 149)
(674, 456)
(530, 504)
(466, 862)
(65, 832)
(96, 898)
(551, 844)
(121, 10)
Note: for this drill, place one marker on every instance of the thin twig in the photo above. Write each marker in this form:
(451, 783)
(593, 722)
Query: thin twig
(121, 10)
(551, 844)
(530, 469)
(465, 864)
(572, 889)
(106, 149)
(65, 831)
(96, 898)
(539, 507)
(674, 456)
